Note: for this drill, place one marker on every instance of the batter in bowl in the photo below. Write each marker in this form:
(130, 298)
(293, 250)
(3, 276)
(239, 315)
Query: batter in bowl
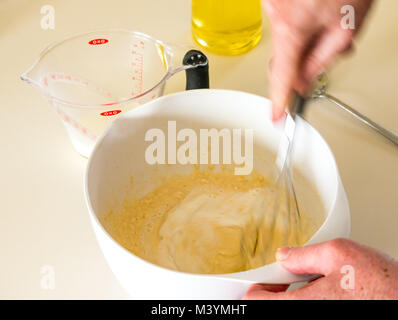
(205, 222)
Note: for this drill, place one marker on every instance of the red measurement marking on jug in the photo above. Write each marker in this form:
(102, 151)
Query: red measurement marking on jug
(137, 66)
(96, 42)
(110, 113)
(52, 78)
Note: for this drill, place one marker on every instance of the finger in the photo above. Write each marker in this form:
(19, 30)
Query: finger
(271, 287)
(319, 258)
(264, 292)
(304, 86)
(321, 289)
(284, 72)
(330, 44)
(289, 45)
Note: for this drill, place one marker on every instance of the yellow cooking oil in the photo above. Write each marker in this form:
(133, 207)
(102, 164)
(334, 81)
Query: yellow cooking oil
(227, 27)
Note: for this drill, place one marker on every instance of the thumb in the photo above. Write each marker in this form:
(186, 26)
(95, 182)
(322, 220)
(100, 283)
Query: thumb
(318, 258)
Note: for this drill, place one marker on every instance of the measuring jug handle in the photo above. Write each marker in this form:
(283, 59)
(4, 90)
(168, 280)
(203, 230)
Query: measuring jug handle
(197, 77)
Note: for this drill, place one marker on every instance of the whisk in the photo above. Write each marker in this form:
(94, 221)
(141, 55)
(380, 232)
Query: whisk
(287, 221)
(282, 226)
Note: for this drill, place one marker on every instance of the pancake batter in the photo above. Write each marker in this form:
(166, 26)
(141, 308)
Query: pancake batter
(205, 222)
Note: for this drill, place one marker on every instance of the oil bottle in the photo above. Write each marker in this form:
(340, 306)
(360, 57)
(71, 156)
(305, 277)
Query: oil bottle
(227, 27)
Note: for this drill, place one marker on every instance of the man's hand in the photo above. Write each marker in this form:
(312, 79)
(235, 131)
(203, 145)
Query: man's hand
(349, 270)
(307, 38)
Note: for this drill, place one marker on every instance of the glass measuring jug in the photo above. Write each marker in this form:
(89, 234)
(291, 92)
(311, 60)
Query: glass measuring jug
(91, 78)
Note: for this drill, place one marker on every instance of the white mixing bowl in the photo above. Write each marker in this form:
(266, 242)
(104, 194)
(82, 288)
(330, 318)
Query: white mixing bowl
(119, 154)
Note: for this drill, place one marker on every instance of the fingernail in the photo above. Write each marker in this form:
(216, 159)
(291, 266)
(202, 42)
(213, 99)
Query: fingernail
(283, 253)
(276, 114)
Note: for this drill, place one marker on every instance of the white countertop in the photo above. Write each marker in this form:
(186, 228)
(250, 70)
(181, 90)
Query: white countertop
(43, 217)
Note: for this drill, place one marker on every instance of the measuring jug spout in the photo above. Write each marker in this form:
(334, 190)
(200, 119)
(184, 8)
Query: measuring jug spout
(31, 75)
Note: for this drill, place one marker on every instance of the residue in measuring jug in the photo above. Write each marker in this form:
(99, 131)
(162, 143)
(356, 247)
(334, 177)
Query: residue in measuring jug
(227, 27)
